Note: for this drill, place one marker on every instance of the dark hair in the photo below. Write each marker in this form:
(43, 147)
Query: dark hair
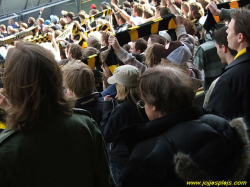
(140, 44)
(118, 16)
(76, 51)
(242, 22)
(126, 4)
(163, 10)
(71, 15)
(220, 37)
(33, 84)
(167, 87)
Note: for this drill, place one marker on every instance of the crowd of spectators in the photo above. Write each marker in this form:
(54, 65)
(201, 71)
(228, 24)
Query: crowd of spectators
(68, 123)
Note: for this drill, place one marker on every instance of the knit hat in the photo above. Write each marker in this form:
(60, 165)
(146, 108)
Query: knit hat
(176, 52)
(125, 75)
(93, 6)
(54, 18)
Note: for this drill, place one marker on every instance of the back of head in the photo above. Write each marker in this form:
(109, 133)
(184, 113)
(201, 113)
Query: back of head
(76, 51)
(94, 42)
(78, 78)
(167, 87)
(33, 84)
(155, 38)
(71, 15)
(242, 22)
(89, 51)
(197, 10)
(138, 8)
(140, 44)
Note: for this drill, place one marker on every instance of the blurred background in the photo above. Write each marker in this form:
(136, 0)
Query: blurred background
(21, 10)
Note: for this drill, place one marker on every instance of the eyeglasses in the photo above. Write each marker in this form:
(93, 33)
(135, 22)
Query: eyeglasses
(141, 104)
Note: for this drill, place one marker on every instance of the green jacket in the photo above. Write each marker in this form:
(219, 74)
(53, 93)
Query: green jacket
(58, 151)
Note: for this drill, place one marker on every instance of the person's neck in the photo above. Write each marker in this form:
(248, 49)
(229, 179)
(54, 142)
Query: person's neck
(242, 45)
(229, 58)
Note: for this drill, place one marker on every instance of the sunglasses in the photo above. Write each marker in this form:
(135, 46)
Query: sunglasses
(141, 104)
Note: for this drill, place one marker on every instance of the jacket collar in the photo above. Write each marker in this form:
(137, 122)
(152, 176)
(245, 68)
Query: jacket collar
(137, 133)
(240, 59)
(88, 100)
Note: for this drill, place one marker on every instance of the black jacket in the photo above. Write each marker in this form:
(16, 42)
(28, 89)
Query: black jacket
(57, 151)
(124, 115)
(186, 145)
(231, 94)
(92, 104)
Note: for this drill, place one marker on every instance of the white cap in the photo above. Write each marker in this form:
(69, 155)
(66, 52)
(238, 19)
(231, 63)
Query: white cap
(125, 75)
(165, 35)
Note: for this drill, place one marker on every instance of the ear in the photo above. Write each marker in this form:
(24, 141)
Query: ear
(224, 48)
(241, 37)
(155, 108)
(138, 51)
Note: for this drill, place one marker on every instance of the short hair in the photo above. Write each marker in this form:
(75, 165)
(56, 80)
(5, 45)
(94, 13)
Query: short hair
(163, 11)
(126, 47)
(177, 93)
(38, 93)
(94, 42)
(185, 6)
(41, 20)
(158, 2)
(148, 13)
(151, 60)
(62, 22)
(220, 37)
(31, 21)
(75, 50)
(138, 8)
(57, 33)
(242, 22)
(126, 4)
(24, 25)
(79, 78)
(119, 16)
(103, 56)
(140, 44)
(3, 27)
(190, 26)
(197, 9)
(155, 38)
(89, 51)
(105, 36)
(71, 15)
(82, 14)
(93, 12)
